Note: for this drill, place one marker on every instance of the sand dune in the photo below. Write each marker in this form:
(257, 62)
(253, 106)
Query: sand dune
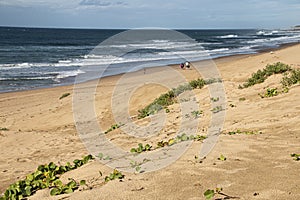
(41, 129)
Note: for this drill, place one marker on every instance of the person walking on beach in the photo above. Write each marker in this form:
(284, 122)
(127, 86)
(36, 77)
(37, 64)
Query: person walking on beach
(187, 64)
(182, 66)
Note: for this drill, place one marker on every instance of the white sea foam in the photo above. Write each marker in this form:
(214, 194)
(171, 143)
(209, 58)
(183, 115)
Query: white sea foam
(228, 36)
(65, 74)
(276, 40)
(267, 33)
(25, 78)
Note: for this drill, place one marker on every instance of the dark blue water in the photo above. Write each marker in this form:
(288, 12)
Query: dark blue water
(34, 57)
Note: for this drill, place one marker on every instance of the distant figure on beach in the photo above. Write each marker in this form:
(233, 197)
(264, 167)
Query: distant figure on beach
(187, 64)
(182, 66)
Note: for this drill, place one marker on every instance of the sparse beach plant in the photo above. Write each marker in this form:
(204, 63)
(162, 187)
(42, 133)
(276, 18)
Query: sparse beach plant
(222, 157)
(196, 113)
(214, 99)
(135, 165)
(113, 127)
(64, 95)
(271, 92)
(238, 131)
(102, 157)
(217, 109)
(232, 105)
(4, 129)
(209, 194)
(141, 148)
(296, 156)
(213, 80)
(169, 98)
(180, 138)
(114, 175)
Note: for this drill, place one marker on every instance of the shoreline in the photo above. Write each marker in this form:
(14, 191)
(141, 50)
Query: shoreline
(229, 57)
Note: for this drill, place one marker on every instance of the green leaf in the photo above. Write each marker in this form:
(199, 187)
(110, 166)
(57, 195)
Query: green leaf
(184, 137)
(147, 147)
(107, 179)
(29, 177)
(133, 150)
(222, 157)
(57, 183)
(100, 156)
(28, 190)
(107, 158)
(87, 158)
(209, 194)
(52, 166)
(55, 191)
(141, 146)
(68, 190)
(72, 184)
(137, 168)
(82, 182)
(218, 190)
(62, 169)
(171, 142)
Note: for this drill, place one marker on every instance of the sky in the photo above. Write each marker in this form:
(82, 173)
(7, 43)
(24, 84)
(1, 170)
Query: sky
(174, 14)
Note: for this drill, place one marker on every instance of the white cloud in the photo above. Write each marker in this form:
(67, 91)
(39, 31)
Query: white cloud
(137, 13)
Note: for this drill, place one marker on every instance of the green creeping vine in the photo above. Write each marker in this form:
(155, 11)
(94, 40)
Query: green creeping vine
(180, 138)
(244, 132)
(46, 176)
(170, 142)
(113, 127)
(60, 188)
(141, 148)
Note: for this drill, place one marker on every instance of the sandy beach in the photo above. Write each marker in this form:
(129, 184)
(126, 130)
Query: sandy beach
(41, 128)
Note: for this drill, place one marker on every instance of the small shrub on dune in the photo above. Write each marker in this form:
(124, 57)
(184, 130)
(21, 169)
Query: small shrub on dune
(291, 78)
(199, 83)
(277, 68)
(261, 75)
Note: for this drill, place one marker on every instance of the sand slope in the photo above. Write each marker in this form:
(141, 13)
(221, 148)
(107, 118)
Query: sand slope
(41, 129)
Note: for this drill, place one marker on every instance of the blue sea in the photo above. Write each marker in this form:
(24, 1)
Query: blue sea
(43, 57)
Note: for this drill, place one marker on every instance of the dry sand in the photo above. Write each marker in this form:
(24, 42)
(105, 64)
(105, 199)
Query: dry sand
(42, 129)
